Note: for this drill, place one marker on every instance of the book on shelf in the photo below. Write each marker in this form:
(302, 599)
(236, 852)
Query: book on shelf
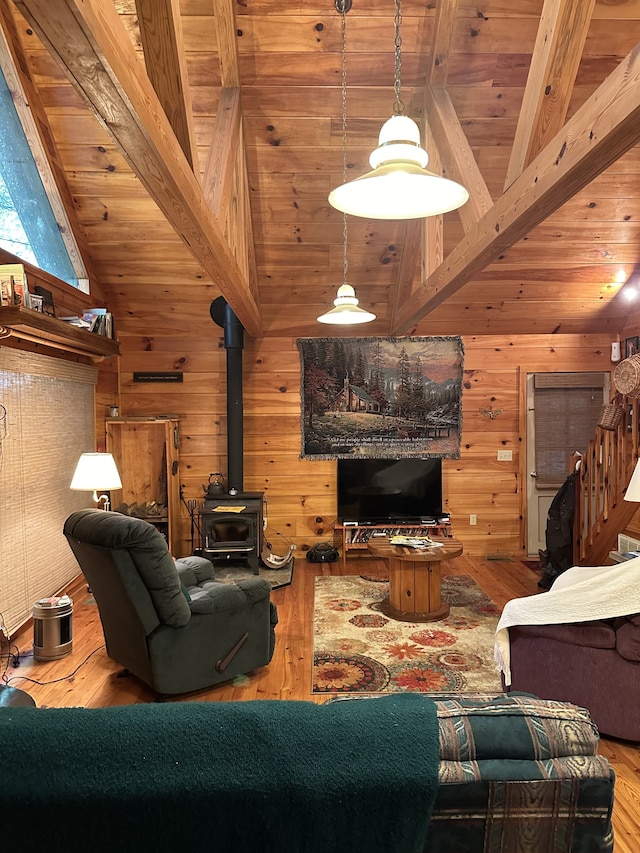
(6, 290)
(13, 285)
(97, 320)
(102, 324)
(76, 321)
(91, 314)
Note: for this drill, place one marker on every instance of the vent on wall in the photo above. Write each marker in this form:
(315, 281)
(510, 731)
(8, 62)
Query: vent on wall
(627, 543)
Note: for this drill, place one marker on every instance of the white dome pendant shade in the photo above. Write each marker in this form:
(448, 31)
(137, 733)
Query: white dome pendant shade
(346, 311)
(399, 187)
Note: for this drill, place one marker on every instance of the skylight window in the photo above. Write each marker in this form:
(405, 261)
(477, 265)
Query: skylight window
(28, 227)
(12, 234)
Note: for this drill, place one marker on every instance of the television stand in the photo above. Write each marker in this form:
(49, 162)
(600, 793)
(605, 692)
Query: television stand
(356, 536)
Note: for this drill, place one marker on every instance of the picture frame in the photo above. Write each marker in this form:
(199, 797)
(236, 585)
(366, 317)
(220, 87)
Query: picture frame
(48, 306)
(630, 346)
(36, 302)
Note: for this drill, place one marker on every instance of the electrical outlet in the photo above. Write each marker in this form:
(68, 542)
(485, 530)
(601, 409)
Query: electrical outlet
(505, 455)
(473, 518)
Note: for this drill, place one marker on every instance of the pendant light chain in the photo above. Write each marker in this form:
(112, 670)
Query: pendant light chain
(398, 107)
(399, 185)
(346, 311)
(343, 13)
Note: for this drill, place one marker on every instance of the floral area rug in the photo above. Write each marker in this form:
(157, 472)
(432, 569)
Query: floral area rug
(357, 649)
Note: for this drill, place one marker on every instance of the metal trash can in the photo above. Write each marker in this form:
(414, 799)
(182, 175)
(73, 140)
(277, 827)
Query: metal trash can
(52, 627)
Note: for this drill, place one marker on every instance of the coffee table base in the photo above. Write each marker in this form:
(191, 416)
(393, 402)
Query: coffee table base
(414, 579)
(406, 616)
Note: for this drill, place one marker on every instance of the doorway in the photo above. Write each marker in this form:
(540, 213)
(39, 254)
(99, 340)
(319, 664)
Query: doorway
(562, 414)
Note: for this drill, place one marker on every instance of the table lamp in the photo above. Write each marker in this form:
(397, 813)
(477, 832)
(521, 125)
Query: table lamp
(96, 472)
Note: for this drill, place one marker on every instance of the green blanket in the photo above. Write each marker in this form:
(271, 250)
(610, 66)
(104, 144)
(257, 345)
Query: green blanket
(229, 777)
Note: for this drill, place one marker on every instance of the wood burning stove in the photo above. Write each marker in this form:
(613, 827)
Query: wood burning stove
(231, 528)
(231, 524)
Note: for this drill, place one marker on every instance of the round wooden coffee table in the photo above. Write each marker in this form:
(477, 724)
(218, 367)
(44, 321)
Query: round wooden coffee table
(414, 579)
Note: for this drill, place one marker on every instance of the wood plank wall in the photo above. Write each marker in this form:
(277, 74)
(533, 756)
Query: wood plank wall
(301, 494)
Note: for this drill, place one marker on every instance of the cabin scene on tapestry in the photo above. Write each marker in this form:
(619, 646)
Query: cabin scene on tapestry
(381, 398)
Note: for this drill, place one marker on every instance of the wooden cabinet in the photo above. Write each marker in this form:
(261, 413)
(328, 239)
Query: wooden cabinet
(146, 453)
(356, 537)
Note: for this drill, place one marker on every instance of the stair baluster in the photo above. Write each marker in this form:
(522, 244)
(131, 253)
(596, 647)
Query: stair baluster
(605, 470)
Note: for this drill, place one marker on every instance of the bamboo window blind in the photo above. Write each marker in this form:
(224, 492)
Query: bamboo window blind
(49, 421)
(566, 409)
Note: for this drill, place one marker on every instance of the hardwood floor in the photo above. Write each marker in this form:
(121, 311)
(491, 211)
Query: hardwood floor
(87, 677)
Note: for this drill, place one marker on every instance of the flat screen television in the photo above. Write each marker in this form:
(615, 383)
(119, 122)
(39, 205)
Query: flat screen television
(373, 491)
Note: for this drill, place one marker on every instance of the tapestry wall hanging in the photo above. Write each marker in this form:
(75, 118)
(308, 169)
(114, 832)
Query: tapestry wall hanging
(381, 398)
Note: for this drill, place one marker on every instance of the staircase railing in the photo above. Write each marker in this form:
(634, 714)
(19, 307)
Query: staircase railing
(605, 470)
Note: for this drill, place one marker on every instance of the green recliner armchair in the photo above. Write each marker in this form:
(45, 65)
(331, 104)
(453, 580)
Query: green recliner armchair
(169, 622)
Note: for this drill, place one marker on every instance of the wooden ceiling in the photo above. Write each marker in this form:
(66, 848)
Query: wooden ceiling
(195, 142)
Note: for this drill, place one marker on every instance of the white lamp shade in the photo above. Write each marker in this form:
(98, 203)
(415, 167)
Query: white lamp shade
(398, 191)
(346, 311)
(399, 187)
(96, 471)
(399, 139)
(633, 489)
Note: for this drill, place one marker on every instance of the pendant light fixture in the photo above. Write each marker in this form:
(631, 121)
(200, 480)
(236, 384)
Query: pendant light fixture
(345, 311)
(399, 187)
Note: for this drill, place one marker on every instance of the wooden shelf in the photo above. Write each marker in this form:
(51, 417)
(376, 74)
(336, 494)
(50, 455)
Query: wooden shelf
(28, 325)
(355, 537)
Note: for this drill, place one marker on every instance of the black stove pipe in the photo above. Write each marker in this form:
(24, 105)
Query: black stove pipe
(222, 314)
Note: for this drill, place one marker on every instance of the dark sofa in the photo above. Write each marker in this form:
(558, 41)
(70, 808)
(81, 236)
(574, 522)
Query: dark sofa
(397, 774)
(593, 664)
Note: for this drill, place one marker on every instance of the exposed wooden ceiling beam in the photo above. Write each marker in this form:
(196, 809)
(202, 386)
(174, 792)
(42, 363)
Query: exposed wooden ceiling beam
(446, 15)
(606, 126)
(456, 158)
(559, 45)
(449, 154)
(223, 153)
(33, 117)
(161, 35)
(233, 166)
(226, 187)
(412, 240)
(432, 243)
(252, 270)
(90, 42)
(227, 51)
(456, 154)
(422, 244)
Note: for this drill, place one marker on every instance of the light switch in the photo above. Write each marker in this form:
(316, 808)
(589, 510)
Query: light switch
(505, 455)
